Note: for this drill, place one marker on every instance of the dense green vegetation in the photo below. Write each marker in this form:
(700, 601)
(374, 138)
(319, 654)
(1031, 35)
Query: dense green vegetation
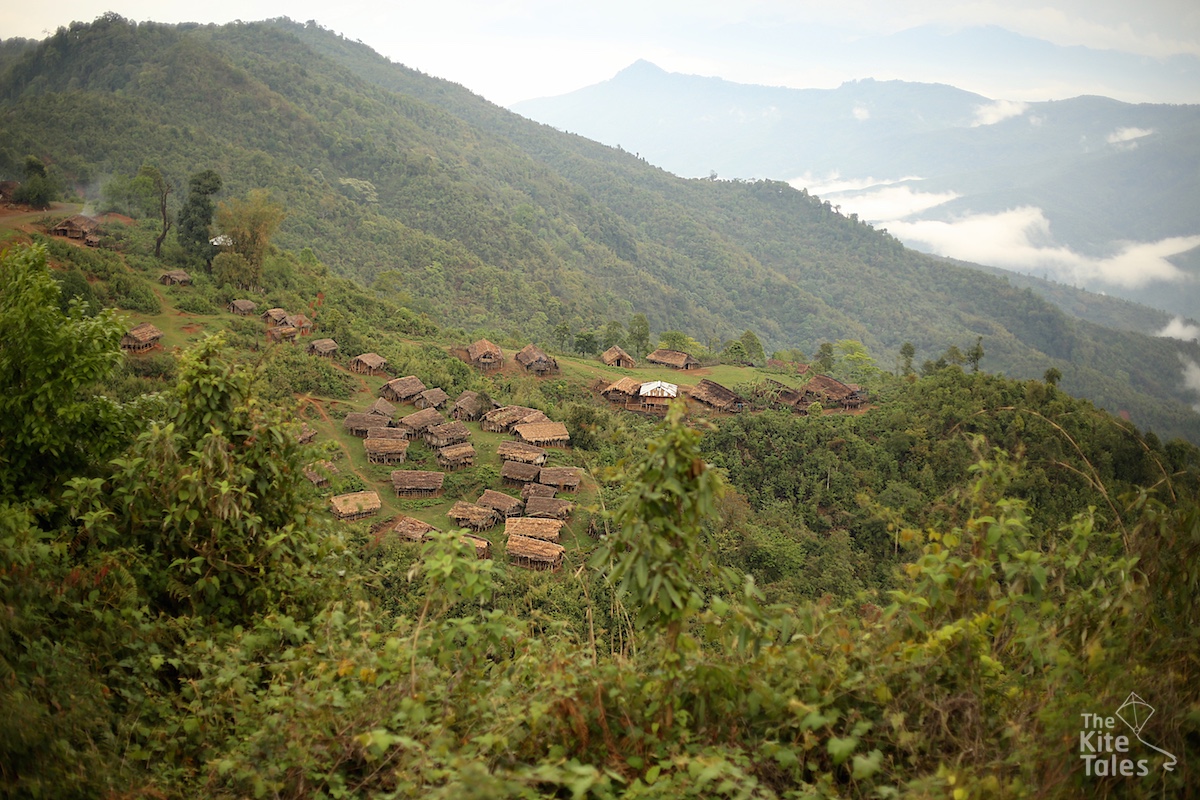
(468, 213)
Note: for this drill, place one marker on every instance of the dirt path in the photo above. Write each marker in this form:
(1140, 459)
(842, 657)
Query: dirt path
(312, 401)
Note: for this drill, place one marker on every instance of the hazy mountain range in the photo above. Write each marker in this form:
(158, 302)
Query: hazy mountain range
(1087, 191)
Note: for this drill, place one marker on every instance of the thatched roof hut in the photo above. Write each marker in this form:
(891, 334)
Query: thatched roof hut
(76, 227)
(447, 434)
(355, 505)
(382, 408)
(505, 504)
(519, 451)
(545, 529)
(368, 364)
(402, 390)
(534, 359)
(307, 433)
(674, 359)
(456, 456)
(141, 338)
(242, 307)
(386, 451)
(382, 431)
(548, 508)
(501, 420)
(543, 434)
(468, 407)
(827, 391)
(622, 391)
(531, 490)
(412, 529)
(485, 355)
(716, 396)
(483, 548)
(517, 474)
(359, 424)
(282, 333)
(469, 515)
(274, 316)
(534, 554)
(616, 357)
(431, 398)
(300, 322)
(175, 277)
(565, 479)
(417, 483)
(420, 421)
(319, 473)
(322, 347)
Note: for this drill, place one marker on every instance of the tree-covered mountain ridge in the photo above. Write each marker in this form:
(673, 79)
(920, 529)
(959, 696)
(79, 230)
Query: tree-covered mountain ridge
(488, 221)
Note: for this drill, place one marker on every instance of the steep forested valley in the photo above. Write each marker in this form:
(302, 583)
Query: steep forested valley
(278, 410)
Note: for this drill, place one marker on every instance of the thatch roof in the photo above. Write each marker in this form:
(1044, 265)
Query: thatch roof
(382, 408)
(419, 421)
(673, 358)
(318, 473)
(456, 455)
(369, 360)
(415, 480)
(412, 529)
(298, 321)
(503, 418)
(483, 349)
(658, 389)
(483, 548)
(469, 515)
(141, 334)
(626, 386)
(535, 359)
(615, 355)
(520, 451)
(243, 306)
(545, 529)
(385, 446)
(533, 553)
(432, 398)
(355, 504)
(275, 316)
(717, 396)
(825, 386)
(468, 406)
(75, 226)
(381, 431)
(322, 347)
(175, 276)
(540, 433)
(307, 433)
(447, 434)
(402, 389)
(531, 490)
(506, 504)
(282, 333)
(565, 478)
(517, 472)
(358, 423)
(548, 508)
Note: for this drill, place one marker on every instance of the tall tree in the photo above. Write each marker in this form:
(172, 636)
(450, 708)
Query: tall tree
(38, 189)
(250, 224)
(196, 216)
(754, 348)
(975, 354)
(639, 335)
(159, 189)
(907, 352)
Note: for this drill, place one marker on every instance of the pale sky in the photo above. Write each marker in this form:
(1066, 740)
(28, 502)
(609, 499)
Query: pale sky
(512, 50)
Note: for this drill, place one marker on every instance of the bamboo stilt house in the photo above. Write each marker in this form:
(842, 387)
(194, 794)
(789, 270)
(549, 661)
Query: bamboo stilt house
(616, 357)
(355, 505)
(417, 483)
(534, 554)
(358, 424)
(675, 359)
(468, 407)
(175, 277)
(469, 515)
(515, 473)
(716, 396)
(386, 432)
(564, 479)
(535, 360)
(543, 434)
(412, 529)
(519, 451)
(456, 456)
(546, 530)
(447, 434)
(505, 504)
(420, 421)
(141, 338)
(300, 322)
(386, 451)
(382, 408)
(242, 308)
(402, 390)
(282, 333)
(485, 356)
(548, 508)
(368, 364)
(502, 419)
(322, 347)
(431, 398)
(274, 317)
(531, 490)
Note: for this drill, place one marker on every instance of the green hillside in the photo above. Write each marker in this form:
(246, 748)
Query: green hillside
(485, 221)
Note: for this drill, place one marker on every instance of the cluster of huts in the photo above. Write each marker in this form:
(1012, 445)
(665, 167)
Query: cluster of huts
(532, 520)
(487, 357)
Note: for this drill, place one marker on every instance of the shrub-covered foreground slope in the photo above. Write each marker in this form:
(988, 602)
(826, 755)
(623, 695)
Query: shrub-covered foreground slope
(463, 210)
(945, 583)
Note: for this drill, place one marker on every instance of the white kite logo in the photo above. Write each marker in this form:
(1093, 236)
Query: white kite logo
(1135, 712)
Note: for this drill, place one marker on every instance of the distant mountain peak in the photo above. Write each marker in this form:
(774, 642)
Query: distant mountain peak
(640, 69)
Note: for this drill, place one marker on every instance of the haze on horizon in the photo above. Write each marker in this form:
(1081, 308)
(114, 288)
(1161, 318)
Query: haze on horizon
(523, 49)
